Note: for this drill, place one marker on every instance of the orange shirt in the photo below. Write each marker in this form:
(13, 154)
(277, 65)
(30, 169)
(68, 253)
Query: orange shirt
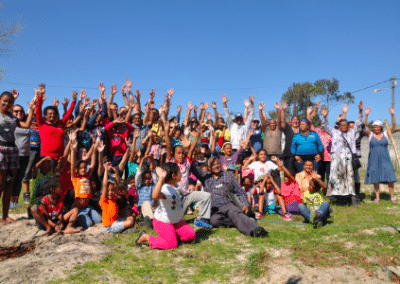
(303, 180)
(82, 187)
(110, 210)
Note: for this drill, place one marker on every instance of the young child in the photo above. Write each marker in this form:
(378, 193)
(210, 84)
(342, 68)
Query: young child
(290, 193)
(314, 207)
(49, 217)
(262, 166)
(168, 221)
(273, 202)
(133, 197)
(146, 181)
(110, 220)
(247, 184)
(80, 177)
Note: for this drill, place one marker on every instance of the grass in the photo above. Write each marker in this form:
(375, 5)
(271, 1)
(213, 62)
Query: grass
(356, 237)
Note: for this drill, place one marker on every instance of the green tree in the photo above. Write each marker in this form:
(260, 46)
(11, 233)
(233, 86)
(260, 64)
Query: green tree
(9, 29)
(328, 92)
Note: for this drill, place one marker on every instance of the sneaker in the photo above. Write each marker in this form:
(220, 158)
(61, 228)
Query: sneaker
(287, 217)
(27, 198)
(260, 232)
(201, 223)
(259, 216)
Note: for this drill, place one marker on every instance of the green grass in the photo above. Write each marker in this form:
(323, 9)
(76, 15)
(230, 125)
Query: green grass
(356, 237)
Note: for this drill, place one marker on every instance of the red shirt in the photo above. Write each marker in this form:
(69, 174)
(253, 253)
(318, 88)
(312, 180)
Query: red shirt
(117, 141)
(52, 136)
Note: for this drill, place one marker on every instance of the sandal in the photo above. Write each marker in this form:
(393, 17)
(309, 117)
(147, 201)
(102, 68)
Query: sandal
(376, 200)
(393, 200)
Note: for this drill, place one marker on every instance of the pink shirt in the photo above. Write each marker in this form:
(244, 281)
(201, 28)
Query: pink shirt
(326, 140)
(184, 169)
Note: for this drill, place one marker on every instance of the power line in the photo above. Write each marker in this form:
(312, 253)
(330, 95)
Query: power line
(370, 86)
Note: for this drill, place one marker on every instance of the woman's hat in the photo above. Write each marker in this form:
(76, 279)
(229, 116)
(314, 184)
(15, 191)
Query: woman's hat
(378, 123)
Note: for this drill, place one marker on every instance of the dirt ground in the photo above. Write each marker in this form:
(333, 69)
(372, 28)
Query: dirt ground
(52, 255)
(58, 253)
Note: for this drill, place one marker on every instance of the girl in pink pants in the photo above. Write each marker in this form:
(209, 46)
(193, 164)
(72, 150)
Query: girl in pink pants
(168, 221)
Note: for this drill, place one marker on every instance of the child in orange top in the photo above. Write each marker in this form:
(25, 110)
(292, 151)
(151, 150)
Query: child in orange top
(111, 223)
(50, 217)
(80, 177)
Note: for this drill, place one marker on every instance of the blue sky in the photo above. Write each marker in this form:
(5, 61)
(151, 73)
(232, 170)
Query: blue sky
(204, 49)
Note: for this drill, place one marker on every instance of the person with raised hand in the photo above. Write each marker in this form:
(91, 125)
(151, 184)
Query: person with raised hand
(9, 159)
(168, 217)
(289, 129)
(380, 168)
(341, 180)
(238, 129)
(51, 128)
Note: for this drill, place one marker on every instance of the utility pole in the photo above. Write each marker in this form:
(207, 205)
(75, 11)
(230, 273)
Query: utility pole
(294, 99)
(393, 86)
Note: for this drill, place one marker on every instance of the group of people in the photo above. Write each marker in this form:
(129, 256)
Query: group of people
(101, 163)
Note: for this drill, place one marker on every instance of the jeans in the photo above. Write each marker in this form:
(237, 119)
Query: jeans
(299, 166)
(87, 217)
(323, 209)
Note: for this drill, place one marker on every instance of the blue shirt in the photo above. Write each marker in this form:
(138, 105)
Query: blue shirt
(307, 145)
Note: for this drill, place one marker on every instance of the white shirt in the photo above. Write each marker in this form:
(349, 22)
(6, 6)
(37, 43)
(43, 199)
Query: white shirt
(170, 209)
(261, 169)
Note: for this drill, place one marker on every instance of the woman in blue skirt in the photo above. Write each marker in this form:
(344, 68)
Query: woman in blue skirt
(380, 168)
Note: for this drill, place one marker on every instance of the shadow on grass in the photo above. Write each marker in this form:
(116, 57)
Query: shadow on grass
(294, 280)
(203, 235)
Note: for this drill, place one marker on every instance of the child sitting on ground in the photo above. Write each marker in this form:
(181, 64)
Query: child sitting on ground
(290, 193)
(168, 218)
(314, 207)
(273, 201)
(49, 217)
(110, 220)
(133, 197)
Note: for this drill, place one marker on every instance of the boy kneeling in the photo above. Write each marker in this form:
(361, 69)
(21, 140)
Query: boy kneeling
(49, 214)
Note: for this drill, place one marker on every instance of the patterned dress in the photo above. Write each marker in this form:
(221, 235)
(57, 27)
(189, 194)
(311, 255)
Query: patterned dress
(341, 180)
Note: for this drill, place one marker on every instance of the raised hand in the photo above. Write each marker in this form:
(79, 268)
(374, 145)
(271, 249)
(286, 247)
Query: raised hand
(55, 102)
(179, 108)
(102, 88)
(361, 105)
(128, 85)
(246, 103)
(82, 95)
(190, 105)
(32, 104)
(317, 104)
(114, 89)
(309, 110)
(161, 173)
(65, 102)
(279, 162)
(283, 105)
(124, 90)
(345, 108)
(138, 94)
(136, 134)
(224, 98)
(339, 117)
(261, 106)
(214, 105)
(315, 175)
(152, 94)
(224, 167)
(391, 110)
(74, 95)
(185, 142)
(274, 158)
(100, 146)
(15, 93)
(368, 110)
(205, 105)
(251, 98)
(195, 108)
(208, 116)
(276, 105)
(324, 111)
(171, 92)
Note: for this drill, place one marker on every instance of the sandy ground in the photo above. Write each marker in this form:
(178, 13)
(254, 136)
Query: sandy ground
(58, 253)
(53, 254)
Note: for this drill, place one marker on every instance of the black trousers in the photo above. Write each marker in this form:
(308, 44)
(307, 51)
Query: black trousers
(231, 215)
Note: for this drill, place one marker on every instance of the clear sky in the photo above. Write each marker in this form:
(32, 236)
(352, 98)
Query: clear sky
(206, 48)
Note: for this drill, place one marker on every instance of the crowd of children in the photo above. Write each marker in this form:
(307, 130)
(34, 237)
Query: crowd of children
(118, 165)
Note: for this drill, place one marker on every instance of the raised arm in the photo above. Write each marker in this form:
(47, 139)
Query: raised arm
(27, 123)
(325, 123)
(393, 126)
(187, 117)
(156, 194)
(68, 115)
(104, 190)
(111, 113)
(367, 112)
(74, 147)
(263, 119)
(214, 106)
(282, 116)
(168, 142)
(228, 117)
(94, 156)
